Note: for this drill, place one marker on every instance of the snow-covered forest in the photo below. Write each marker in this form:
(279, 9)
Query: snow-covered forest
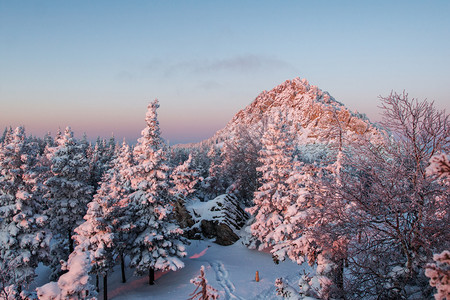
(294, 174)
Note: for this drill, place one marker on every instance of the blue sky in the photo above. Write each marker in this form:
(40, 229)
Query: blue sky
(94, 65)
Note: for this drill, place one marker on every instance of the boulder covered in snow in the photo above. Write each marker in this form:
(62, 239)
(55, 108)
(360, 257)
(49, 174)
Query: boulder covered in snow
(220, 218)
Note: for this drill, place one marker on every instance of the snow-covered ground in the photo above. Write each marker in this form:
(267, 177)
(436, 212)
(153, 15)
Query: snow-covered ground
(229, 269)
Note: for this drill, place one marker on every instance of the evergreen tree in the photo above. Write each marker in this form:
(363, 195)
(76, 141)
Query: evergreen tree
(239, 165)
(214, 184)
(7, 136)
(185, 180)
(100, 160)
(59, 138)
(106, 229)
(97, 233)
(158, 245)
(121, 183)
(274, 195)
(69, 193)
(24, 239)
(74, 284)
(5, 132)
(185, 183)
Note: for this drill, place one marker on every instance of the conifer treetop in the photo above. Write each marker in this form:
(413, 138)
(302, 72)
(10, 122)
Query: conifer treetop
(151, 134)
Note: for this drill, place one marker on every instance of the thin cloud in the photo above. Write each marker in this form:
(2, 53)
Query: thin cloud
(245, 63)
(249, 63)
(238, 64)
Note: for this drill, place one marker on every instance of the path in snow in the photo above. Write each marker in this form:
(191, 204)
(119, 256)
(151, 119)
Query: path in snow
(223, 279)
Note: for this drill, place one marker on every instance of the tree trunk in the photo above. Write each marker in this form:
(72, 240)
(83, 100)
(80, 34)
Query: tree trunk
(105, 287)
(69, 235)
(151, 276)
(97, 284)
(340, 275)
(122, 267)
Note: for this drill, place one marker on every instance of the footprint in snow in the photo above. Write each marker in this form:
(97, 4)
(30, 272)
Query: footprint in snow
(224, 281)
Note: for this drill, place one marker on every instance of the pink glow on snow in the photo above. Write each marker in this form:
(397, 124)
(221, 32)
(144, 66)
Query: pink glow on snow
(197, 255)
(133, 284)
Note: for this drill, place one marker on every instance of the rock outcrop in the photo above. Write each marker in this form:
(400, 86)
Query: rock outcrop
(220, 218)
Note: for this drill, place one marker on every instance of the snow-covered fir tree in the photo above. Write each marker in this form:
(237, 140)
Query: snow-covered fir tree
(274, 195)
(214, 183)
(121, 183)
(158, 245)
(74, 284)
(6, 136)
(106, 230)
(69, 193)
(101, 159)
(3, 136)
(240, 163)
(98, 232)
(24, 238)
(185, 181)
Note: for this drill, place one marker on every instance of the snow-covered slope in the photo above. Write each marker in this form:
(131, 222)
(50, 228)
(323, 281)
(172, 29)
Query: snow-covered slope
(229, 269)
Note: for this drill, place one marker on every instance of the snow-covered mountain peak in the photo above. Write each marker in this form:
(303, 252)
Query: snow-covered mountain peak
(291, 94)
(312, 115)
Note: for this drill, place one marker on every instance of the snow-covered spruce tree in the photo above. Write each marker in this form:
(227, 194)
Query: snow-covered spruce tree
(178, 155)
(69, 193)
(24, 239)
(274, 195)
(203, 290)
(286, 211)
(101, 238)
(7, 135)
(101, 160)
(300, 237)
(74, 284)
(240, 162)
(97, 233)
(158, 245)
(309, 227)
(185, 181)
(2, 138)
(106, 229)
(214, 184)
(123, 170)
